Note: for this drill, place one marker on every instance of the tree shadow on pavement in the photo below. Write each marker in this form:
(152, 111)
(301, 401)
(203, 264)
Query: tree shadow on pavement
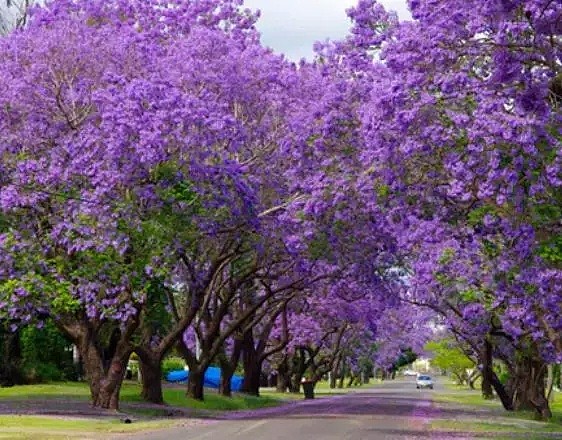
(360, 405)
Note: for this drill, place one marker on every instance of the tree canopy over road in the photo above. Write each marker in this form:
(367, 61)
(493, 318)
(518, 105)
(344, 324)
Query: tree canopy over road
(169, 184)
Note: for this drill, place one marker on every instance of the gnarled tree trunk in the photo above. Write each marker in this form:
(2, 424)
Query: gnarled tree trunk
(283, 378)
(336, 367)
(195, 383)
(228, 366)
(151, 377)
(486, 387)
(197, 368)
(295, 385)
(105, 376)
(529, 386)
(252, 365)
(343, 372)
(252, 377)
(472, 378)
(225, 385)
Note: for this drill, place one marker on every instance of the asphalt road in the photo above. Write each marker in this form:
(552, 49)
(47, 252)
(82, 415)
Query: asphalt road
(393, 410)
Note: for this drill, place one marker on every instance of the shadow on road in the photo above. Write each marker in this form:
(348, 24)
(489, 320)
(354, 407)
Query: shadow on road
(359, 405)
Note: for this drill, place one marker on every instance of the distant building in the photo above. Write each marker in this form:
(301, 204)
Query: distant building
(422, 365)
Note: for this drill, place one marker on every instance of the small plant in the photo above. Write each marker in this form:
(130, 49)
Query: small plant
(171, 364)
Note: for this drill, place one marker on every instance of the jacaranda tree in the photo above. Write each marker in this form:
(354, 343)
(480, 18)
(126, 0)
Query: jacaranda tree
(462, 132)
(114, 170)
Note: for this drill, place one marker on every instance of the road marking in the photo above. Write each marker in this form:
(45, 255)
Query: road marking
(253, 426)
(236, 434)
(205, 435)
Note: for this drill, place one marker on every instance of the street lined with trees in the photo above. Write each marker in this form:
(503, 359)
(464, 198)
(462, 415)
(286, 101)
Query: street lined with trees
(170, 186)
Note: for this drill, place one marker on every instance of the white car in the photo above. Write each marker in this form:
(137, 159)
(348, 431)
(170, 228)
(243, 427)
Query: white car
(409, 373)
(424, 381)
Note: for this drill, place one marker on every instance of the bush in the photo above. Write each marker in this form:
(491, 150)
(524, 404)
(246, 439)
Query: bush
(171, 364)
(133, 365)
(45, 354)
(42, 372)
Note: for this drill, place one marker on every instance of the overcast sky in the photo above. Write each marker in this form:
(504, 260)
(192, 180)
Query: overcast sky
(292, 26)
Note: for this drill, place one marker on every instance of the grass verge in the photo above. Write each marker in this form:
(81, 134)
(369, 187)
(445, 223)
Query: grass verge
(130, 393)
(175, 396)
(464, 396)
(39, 427)
(500, 422)
(509, 426)
(213, 401)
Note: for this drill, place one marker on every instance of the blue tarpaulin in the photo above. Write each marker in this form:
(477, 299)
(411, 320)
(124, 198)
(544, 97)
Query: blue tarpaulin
(211, 380)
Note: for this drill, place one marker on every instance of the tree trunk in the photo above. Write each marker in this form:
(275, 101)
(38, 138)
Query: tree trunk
(502, 392)
(488, 374)
(252, 366)
(341, 379)
(195, 383)
(255, 379)
(296, 379)
(151, 376)
(298, 370)
(333, 378)
(225, 388)
(197, 368)
(529, 387)
(335, 371)
(486, 387)
(228, 364)
(252, 376)
(282, 383)
(283, 376)
(105, 383)
(473, 378)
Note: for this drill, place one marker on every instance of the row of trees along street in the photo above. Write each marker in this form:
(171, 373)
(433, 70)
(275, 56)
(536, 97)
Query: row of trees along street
(190, 191)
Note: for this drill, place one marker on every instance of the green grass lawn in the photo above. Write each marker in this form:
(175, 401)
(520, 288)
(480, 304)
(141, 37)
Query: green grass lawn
(130, 393)
(520, 422)
(78, 390)
(464, 396)
(515, 426)
(36, 427)
(213, 400)
(175, 396)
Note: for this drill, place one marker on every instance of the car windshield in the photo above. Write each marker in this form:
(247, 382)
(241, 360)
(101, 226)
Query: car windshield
(424, 378)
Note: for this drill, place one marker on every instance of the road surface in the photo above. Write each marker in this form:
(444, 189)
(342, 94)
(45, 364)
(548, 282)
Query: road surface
(392, 410)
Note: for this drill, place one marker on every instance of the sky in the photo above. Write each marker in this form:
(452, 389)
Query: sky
(292, 26)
